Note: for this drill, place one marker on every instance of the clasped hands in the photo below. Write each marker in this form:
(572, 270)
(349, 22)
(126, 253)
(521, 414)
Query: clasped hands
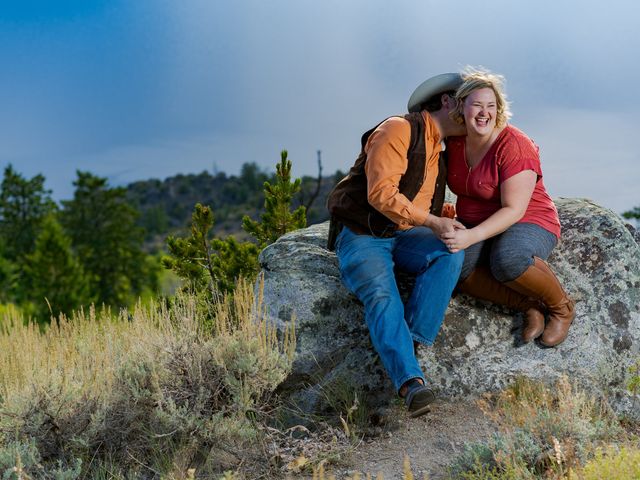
(453, 234)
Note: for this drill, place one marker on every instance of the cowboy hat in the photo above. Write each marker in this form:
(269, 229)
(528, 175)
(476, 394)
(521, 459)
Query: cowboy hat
(444, 82)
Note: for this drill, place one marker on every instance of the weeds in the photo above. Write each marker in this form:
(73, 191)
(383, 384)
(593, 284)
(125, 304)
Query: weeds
(633, 384)
(545, 433)
(148, 392)
(348, 404)
(621, 464)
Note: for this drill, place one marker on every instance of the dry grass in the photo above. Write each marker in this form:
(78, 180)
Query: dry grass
(162, 393)
(615, 463)
(546, 432)
(155, 390)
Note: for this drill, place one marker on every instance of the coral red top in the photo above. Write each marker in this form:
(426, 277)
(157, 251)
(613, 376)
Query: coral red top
(478, 189)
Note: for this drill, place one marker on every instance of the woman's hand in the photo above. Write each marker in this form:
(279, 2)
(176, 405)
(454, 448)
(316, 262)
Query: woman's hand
(458, 239)
(515, 194)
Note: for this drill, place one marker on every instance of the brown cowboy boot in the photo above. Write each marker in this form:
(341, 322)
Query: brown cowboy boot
(538, 281)
(481, 284)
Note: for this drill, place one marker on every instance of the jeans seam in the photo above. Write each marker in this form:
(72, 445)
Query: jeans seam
(422, 340)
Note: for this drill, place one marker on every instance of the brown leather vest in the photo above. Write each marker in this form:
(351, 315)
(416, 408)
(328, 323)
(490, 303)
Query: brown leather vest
(348, 204)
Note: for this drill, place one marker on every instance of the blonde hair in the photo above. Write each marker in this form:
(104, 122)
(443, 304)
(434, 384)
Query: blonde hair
(474, 78)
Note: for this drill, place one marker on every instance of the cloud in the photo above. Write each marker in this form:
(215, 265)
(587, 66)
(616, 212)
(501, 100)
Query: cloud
(587, 153)
(162, 87)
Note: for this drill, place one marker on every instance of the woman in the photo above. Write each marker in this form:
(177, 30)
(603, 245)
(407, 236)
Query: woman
(512, 223)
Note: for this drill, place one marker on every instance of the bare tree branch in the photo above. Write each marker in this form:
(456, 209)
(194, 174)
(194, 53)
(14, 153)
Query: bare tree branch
(318, 183)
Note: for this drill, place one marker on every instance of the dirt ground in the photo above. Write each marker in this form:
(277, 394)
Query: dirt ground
(431, 442)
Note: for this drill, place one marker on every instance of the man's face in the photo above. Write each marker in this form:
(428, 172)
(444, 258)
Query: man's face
(448, 102)
(448, 105)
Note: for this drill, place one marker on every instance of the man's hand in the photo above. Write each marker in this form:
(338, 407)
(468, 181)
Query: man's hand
(442, 225)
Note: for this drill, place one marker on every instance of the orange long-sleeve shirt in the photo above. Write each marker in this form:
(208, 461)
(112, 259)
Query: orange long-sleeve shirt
(386, 151)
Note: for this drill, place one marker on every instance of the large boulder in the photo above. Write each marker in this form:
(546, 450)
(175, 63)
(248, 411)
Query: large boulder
(477, 350)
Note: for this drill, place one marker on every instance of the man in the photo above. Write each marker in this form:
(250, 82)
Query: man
(386, 214)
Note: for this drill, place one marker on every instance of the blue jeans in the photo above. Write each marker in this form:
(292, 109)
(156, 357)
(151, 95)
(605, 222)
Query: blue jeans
(367, 268)
(509, 254)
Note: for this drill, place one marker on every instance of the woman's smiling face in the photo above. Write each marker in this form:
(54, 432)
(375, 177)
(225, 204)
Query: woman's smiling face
(480, 111)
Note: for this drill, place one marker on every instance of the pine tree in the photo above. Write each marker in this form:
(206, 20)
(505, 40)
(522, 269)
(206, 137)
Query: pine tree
(108, 243)
(57, 282)
(190, 258)
(8, 277)
(278, 218)
(214, 264)
(632, 214)
(209, 263)
(233, 260)
(23, 206)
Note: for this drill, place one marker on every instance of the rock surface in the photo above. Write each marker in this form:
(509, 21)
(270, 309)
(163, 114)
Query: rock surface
(477, 350)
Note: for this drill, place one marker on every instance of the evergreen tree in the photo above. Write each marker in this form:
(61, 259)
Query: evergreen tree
(632, 214)
(108, 243)
(215, 265)
(23, 205)
(57, 282)
(8, 277)
(154, 221)
(278, 218)
(209, 263)
(232, 261)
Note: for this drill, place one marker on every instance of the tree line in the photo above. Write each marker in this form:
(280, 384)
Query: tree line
(104, 245)
(56, 258)
(166, 205)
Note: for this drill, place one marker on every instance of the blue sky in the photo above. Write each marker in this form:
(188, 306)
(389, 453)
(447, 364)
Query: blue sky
(150, 88)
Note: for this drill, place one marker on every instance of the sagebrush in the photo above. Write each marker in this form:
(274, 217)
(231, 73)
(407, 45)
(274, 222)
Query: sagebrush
(151, 392)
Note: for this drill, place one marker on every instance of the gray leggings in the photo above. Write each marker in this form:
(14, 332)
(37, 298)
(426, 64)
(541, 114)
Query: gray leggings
(510, 253)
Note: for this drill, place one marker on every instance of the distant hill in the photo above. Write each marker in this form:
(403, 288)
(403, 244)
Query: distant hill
(166, 205)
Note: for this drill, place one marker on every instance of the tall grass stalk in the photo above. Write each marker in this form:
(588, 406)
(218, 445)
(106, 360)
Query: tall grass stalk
(546, 432)
(155, 381)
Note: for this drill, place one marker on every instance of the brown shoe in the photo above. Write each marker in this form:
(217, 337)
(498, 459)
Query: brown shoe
(539, 282)
(557, 328)
(481, 284)
(533, 324)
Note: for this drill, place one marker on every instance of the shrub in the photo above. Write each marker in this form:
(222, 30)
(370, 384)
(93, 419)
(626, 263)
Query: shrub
(21, 460)
(148, 392)
(622, 464)
(544, 431)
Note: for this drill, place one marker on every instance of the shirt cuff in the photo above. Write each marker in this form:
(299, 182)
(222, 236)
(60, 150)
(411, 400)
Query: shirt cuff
(418, 216)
